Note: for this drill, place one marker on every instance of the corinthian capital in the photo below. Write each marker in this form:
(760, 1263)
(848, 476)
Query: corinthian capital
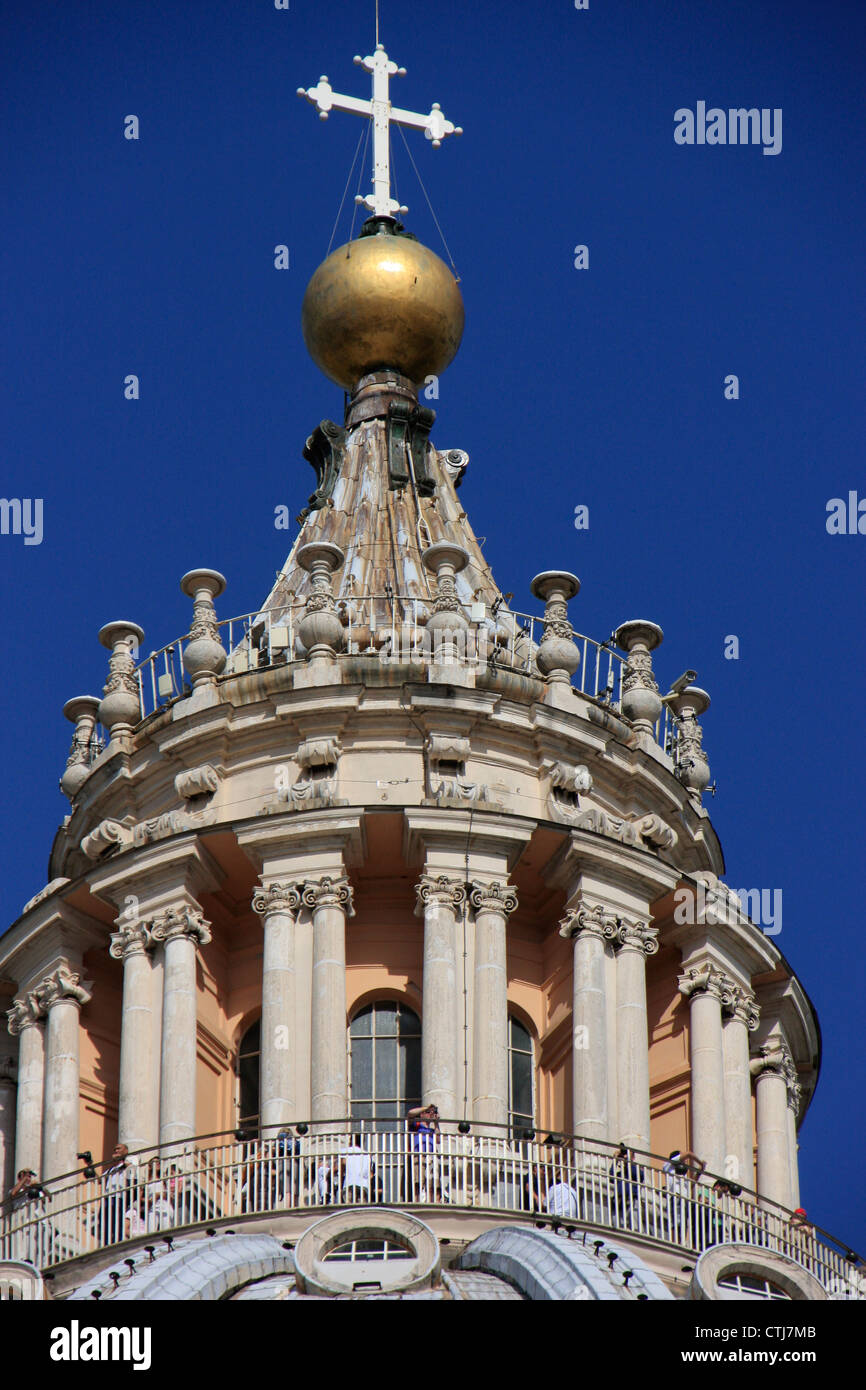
(743, 1006)
(329, 892)
(276, 897)
(707, 979)
(493, 897)
(26, 1012)
(774, 1057)
(637, 936)
(62, 986)
(440, 891)
(176, 922)
(584, 920)
(132, 938)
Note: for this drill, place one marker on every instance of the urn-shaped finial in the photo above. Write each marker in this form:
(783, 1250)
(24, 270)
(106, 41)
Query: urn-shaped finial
(320, 629)
(80, 711)
(641, 702)
(557, 656)
(120, 706)
(204, 656)
(692, 767)
(447, 623)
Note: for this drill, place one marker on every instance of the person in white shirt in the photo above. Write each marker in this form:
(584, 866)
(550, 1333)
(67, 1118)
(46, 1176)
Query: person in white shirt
(357, 1170)
(561, 1200)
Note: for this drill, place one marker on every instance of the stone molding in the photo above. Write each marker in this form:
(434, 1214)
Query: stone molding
(108, 835)
(498, 896)
(176, 922)
(440, 891)
(646, 830)
(197, 781)
(329, 892)
(45, 893)
(62, 986)
(132, 938)
(276, 897)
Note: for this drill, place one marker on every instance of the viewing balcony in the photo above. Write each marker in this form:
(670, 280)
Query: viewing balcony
(568, 1183)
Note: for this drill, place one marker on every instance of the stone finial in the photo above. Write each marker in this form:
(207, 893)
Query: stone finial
(641, 702)
(493, 897)
(276, 897)
(80, 711)
(329, 892)
(692, 767)
(557, 656)
(204, 656)
(320, 629)
(439, 890)
(448, 623)
(120, 707)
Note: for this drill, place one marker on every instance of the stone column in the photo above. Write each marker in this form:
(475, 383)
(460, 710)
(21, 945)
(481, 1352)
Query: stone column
(61, 996)
(637, 940)
(440, 898)
(493, 902)
(277, 904)
(591, 929)
(182, 929)
(131, 944)
(794, 1093)
(741, 1016)
(25, 1023)
(7, 1122)
(704, 987)
(330, 901)
(771, 1069)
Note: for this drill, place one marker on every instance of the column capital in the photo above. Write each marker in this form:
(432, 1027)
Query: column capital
(176, 922)
(62, 986)
(584, 920)
(637, 936)
(497, 896)
(774, 1058)
(132, 938)
(26, 1012)
(707, 979)
(439, 890)
(276, 897)
(742, 1006)
(329, 892)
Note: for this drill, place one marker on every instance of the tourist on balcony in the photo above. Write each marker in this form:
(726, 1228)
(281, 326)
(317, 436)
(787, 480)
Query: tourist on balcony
(27, 1197)
(428, 1182)
(135, 1218)
(284, 1174)
(562, 1200)
(160, 1214)
(118, 1175)
(630, 1177)
(358, 1170)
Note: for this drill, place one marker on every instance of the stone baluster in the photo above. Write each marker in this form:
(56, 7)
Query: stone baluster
(204, 656)
(593, 930)
(330, 901)
(80, 711)
(772, 1069)
(636, 940)
(61, 996)
(741, 1016)
(641, 702)
(440, 899)
(132, 943)
(120, 707)
(320, 629)
(493, 903)
(447, 623)
(692, 767)
(705, 986)
(557, 656)
(277, 904)
(182, 929)
(26, 1023)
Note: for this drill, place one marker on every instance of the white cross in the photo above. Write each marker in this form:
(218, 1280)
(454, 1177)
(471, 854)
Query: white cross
(434, 125)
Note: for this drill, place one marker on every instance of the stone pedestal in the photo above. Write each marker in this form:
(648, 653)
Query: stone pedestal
(440, 898)
(330, 901)
(182, 930)
(277, 905)
(492, 903)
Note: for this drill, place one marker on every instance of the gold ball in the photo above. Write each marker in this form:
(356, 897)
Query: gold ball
(382, 301)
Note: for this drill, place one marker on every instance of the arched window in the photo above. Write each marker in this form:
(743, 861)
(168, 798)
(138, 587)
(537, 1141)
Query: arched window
(384, 1063)
(249, 1055)
(521, 1065)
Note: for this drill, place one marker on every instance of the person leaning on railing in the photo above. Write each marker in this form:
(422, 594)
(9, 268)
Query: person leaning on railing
(118, 1174)
(427, 1181)
(28, 1198)
(630, 1177)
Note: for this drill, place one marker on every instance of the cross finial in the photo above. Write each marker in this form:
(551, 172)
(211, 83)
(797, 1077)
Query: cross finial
(434, 124)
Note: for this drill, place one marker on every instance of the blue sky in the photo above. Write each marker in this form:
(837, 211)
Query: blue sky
(601, 387)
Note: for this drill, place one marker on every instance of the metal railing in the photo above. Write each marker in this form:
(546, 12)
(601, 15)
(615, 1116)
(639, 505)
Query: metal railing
(393, 628)
(572, 1182)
